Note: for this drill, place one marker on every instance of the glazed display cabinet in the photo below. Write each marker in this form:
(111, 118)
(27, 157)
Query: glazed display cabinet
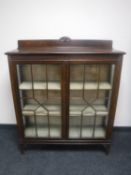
(65, 91)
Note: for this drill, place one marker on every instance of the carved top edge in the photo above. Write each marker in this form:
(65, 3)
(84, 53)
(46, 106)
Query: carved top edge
(64, 45)
(64, 42)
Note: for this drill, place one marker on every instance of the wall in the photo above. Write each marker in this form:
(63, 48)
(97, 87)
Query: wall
(87, 19)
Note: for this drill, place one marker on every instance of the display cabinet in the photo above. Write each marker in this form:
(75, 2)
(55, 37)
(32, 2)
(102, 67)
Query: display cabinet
(65, 91)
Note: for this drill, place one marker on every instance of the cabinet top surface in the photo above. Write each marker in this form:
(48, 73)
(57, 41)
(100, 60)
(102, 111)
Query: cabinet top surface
(64, 46)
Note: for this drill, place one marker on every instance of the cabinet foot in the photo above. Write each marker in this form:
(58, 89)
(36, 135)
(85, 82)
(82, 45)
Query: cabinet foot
(107, 148)
(23, 148)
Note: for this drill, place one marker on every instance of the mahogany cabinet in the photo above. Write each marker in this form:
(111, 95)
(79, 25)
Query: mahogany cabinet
(65, 91)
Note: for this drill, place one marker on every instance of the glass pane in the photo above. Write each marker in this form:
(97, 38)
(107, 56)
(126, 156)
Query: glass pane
(40, 92)
(90, 93)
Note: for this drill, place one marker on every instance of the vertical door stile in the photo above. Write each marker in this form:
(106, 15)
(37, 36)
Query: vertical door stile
(67, 97)
(32, 82)
(63, 88)
(65, 100)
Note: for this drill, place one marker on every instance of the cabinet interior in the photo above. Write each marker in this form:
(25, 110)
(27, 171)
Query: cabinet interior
(40, 89)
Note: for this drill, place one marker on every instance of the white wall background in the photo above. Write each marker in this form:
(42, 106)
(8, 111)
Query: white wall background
(84, 19)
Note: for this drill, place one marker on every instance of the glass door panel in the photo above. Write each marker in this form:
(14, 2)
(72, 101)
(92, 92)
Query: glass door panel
(90, 94)
(40, 93)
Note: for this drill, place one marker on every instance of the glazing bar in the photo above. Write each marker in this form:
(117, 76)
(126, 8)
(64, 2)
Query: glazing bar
(46, 82)
(31, 69)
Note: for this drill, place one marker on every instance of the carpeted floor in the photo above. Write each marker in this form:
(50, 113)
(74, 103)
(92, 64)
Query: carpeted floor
(70, 161)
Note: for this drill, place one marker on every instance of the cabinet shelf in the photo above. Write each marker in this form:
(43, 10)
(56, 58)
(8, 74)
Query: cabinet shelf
(99, 110)
(39, 85)
(57, 86)
(86, 132)
(55, 110)
(54, 131)
(30, 110)
(90, 86)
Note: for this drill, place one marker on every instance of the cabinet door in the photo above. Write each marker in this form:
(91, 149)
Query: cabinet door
(40, 96)
(89, 101)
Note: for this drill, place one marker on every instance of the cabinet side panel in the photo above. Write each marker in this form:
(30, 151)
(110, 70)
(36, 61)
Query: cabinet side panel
(114, 97)
(16, 98)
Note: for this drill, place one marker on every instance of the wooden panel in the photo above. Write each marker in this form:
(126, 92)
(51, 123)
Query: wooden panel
(64, 41)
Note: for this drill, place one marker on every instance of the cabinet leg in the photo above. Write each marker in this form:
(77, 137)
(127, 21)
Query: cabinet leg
(107, 148)
(23, 148)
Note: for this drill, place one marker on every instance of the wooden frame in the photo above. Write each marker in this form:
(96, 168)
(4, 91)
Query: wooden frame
(65, 52)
